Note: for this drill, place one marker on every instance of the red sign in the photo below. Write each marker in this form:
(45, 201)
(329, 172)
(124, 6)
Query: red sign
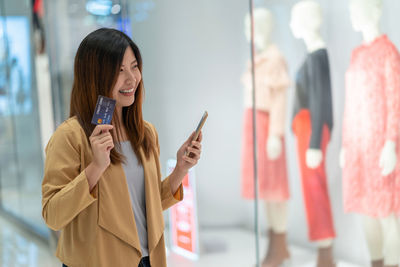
(183, 218)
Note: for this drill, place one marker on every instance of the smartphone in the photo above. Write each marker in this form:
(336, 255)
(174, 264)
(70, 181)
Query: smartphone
(200, 125)
(198, 129)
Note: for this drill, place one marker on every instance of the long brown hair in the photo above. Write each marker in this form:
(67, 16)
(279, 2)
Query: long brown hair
(97, 64)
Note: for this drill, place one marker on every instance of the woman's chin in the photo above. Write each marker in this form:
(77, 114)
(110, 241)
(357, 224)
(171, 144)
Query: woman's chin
(126, 102)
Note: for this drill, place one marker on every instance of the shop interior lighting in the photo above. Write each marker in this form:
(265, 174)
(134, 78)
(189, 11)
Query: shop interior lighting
(115, 9)
(99, 7)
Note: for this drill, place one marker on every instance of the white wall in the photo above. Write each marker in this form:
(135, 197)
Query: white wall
(194, 54)
(193, 60)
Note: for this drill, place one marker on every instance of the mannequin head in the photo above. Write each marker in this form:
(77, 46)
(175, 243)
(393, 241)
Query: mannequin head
(306, 19)
(263, 23)
(365, 14)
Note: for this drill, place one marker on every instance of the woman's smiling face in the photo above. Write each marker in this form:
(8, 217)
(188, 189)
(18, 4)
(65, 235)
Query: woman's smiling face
(128, 80)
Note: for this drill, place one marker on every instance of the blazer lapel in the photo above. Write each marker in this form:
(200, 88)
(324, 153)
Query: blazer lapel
(155, 220)
(115, 209)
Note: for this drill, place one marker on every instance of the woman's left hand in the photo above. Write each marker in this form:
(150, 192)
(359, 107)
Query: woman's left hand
(188, 154)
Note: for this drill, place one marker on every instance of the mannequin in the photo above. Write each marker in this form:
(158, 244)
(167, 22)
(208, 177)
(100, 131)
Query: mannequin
(272, 81)
(371, 173)
(312, 124)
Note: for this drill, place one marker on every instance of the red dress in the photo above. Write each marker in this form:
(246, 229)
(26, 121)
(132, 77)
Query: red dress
(314, 183)
(312, 123)
(272, 81)
(371, 117)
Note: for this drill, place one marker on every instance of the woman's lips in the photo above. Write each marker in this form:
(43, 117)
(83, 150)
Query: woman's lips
(127, 92)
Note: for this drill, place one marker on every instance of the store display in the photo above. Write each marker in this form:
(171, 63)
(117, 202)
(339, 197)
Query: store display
(312, 124)
(271, 83)
(371, 128)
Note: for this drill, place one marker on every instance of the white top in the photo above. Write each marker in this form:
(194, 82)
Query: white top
(135, 180)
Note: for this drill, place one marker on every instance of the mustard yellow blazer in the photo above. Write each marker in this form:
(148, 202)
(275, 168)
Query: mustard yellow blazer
(98, 228)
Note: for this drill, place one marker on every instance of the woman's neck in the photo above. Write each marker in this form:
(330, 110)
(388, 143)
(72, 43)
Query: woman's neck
(118, 110)
(121, 131)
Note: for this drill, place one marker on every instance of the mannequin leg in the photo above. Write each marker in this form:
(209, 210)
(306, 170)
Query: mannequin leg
(270, 240)
(325, 253)
(314, 181)
(374, 238)
(391, 240)
(278, 247)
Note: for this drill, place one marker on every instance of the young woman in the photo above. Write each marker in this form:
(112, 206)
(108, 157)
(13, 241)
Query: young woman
(102, 184)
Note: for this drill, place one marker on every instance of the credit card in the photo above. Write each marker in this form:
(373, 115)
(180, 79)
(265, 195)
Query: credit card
(104, 110)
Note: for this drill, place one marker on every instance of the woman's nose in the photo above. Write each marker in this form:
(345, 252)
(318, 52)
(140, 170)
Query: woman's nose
(131, 80)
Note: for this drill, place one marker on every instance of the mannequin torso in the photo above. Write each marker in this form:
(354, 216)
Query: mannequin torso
(305, 23)
(271, 79)
(365, 18)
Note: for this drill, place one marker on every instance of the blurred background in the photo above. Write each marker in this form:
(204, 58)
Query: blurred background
(194, 54)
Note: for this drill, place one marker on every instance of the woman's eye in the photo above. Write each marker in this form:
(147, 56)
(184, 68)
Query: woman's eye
(121, 70)
(134, 67)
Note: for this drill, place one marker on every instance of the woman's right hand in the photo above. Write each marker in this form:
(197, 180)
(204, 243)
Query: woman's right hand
(101, 142)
